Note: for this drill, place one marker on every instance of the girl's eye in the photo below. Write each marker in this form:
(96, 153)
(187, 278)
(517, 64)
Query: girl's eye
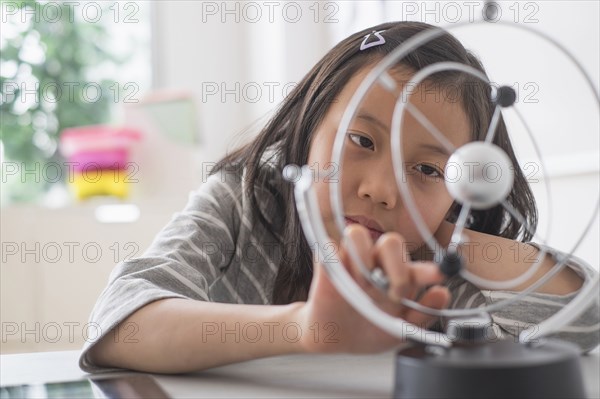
(428, 170)
(361, 141)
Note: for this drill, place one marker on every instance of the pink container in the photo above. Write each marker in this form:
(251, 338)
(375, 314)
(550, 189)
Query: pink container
(97, 138)
(105, 159)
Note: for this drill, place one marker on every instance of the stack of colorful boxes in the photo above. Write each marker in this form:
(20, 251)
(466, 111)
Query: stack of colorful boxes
(97, 160)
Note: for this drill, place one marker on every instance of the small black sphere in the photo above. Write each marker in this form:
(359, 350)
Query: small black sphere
(505, 96)
(451, 264)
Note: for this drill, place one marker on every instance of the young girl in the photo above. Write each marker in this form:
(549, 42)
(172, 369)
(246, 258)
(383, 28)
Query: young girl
(232, 278)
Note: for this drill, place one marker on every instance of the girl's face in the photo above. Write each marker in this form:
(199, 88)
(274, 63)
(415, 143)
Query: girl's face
(368, 184)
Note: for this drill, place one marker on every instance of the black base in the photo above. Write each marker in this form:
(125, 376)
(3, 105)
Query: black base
(502, 369)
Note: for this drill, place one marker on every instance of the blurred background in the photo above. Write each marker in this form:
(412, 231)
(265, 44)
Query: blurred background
(170, 87)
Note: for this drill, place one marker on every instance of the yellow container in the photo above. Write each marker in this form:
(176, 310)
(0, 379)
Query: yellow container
(100, 182)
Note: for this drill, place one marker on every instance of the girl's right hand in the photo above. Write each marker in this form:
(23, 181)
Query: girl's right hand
(330, 324)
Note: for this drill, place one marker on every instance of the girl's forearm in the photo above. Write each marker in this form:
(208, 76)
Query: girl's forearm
(496, 258)
(177, 335)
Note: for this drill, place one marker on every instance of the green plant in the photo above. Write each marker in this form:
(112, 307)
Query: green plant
(49, 81)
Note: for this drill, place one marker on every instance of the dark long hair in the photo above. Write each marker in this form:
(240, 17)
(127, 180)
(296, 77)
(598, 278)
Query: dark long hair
(289, 134)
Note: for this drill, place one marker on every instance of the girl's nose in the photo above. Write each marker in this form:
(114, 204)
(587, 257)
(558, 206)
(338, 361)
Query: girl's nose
(380, 188)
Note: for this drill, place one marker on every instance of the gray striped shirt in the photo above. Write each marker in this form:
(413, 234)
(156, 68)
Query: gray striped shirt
(214, 250)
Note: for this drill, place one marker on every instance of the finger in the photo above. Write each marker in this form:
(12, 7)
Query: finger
(423, 275)
(436, 297)
(360, 237)
(391, 255)
(426, 273)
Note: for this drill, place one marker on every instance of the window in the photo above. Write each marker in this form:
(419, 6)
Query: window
(63, 64)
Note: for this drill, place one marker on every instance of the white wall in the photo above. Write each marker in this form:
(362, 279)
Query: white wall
(192, 55)
(60, 266)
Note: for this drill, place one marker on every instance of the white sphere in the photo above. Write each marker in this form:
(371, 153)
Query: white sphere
(479, 173)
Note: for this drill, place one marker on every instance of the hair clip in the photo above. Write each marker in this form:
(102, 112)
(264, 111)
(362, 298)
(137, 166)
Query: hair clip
(364, 45)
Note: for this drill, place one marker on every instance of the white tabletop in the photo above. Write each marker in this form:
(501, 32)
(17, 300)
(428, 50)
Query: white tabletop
(323, 376)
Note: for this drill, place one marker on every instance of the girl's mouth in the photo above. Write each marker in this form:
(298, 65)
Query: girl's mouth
(375, 234)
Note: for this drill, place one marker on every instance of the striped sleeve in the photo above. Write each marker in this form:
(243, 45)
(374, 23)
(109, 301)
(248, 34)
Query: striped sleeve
(511, 320)
(190, 254)
(584, 331)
